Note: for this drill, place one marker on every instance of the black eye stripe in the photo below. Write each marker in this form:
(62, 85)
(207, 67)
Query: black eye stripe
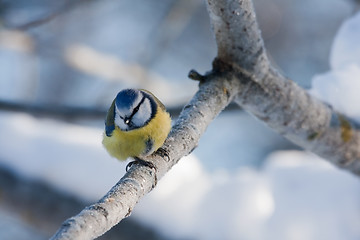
(136, 109)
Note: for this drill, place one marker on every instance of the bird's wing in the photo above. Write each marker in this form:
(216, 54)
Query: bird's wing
(109, 122)
(156, 99)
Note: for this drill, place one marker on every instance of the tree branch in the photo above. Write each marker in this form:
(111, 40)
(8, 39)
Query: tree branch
(241, 72)
(275, 100)
(212, 97)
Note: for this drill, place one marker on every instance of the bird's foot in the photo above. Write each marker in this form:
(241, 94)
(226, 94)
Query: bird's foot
(144, 163)
(164, 154)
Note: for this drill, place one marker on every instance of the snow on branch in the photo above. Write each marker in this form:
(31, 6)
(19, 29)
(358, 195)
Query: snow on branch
(241, 72)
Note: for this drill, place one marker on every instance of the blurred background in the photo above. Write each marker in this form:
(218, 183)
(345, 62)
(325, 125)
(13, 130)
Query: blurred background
(63, 62)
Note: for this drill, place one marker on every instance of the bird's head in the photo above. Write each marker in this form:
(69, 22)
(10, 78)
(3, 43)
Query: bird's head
(133, 109)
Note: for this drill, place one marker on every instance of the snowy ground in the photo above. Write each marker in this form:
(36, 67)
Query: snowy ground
(293, 195)
(11, 227)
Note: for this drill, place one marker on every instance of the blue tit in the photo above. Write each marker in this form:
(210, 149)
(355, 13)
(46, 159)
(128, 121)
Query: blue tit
(136, 125)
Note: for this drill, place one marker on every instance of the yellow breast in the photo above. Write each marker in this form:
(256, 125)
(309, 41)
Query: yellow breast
(135, 143)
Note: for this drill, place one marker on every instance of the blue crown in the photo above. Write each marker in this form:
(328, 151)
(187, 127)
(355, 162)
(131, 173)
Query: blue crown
(126, 98)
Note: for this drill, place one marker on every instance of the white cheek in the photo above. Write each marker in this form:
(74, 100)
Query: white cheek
(120, 123)
(143, 115)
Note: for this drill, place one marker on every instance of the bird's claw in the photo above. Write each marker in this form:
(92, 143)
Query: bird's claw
(144, 163)
(164, 154)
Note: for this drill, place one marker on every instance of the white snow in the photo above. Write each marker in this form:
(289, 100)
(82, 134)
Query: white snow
(65, 155)
(294, 196)
(11, 227)
(340, 86)
(345, 50)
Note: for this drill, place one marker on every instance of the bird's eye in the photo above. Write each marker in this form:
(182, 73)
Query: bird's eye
(127, 121)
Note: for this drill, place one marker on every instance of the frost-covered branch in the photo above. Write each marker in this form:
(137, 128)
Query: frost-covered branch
(241, 72)
(274, 99)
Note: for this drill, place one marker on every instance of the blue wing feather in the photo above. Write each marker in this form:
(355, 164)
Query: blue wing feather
(109, 122)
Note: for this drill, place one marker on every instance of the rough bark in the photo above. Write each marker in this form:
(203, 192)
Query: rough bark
(274, 99)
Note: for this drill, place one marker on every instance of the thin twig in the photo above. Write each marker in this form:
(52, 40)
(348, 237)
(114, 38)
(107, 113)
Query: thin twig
(73, 112)
(68, 5)
(52, 110)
